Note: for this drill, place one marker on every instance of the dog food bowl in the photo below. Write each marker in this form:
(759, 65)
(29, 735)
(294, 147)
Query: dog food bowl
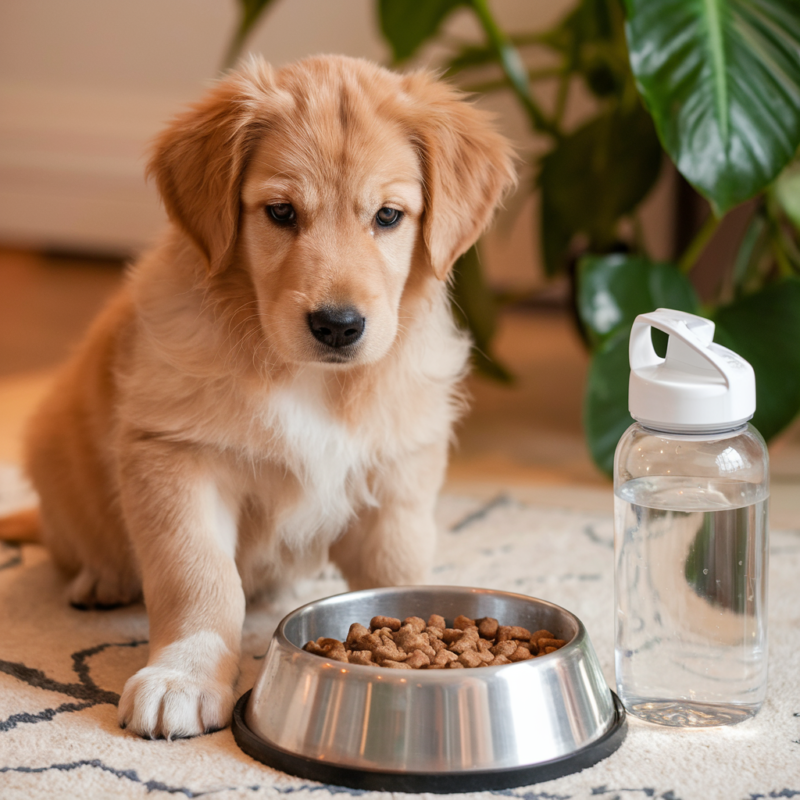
(429, 730)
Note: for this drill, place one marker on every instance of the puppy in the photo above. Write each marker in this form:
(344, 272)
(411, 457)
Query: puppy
(276, 383)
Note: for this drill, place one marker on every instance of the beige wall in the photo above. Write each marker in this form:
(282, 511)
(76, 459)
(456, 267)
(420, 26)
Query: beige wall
(84, 85)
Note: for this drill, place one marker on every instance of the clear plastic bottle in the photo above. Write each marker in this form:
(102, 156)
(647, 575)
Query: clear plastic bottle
(691, 484)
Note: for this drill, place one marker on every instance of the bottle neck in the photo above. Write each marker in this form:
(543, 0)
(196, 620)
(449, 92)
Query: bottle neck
(691, 431)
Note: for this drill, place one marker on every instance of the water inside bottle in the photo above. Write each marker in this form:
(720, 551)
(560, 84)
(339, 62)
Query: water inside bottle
(691, 647)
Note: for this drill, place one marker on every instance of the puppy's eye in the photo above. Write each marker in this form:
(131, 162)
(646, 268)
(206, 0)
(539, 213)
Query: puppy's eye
(282, 213)
(388, 217)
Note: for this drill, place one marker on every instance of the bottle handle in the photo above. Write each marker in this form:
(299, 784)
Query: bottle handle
(696, 332)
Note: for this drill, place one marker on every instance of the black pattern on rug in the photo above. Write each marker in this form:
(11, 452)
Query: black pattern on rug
(86, 689)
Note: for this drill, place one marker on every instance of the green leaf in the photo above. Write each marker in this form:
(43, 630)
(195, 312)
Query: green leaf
(611, 292)
(605, 405)
(408, 24)
(593, 39)
(787, 193)
(764, 328)
(251, 13)
(722, 80)
(475, 309)
(755, 239)
(594, 176)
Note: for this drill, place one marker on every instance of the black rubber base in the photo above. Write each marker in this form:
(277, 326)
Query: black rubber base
(436, 782)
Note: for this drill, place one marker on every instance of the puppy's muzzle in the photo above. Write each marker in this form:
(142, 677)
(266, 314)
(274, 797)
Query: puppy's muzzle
(336, 327)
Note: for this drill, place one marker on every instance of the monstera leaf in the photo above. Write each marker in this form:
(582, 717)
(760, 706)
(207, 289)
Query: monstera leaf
(722, 81)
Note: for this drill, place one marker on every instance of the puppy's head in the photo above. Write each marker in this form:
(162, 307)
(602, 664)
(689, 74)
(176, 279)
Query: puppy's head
(331, 182)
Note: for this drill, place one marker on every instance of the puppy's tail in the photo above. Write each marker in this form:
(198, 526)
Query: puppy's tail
(23, 526)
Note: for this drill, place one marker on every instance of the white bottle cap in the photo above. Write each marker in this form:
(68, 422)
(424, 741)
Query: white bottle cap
(699, 386)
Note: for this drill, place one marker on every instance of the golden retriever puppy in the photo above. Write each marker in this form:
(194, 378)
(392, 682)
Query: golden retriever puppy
(276, 383)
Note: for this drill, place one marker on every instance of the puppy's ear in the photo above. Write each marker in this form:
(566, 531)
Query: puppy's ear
(198, 161)
(467, 168)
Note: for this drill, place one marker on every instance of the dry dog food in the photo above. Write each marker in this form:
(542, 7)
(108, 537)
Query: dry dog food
(415, 644)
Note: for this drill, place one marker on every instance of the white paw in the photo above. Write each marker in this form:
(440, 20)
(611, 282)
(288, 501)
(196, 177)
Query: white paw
(162, 702)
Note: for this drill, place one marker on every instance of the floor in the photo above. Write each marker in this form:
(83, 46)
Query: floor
(525, 438)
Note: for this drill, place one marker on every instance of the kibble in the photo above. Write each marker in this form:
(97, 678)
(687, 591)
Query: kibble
(414, 643)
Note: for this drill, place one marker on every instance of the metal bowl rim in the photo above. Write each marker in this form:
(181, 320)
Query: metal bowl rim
(433, 674)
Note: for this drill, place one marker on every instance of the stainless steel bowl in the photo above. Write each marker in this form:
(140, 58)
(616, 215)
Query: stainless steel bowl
(437, 730)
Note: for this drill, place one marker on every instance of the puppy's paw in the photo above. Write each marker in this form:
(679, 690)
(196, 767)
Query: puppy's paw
(102, 588)
(162, 702)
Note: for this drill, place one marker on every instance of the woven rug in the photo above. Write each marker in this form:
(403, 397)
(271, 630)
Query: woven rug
(62, 671)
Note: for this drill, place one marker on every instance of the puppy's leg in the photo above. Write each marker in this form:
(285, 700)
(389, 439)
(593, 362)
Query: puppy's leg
(394, 544)
(184, 533)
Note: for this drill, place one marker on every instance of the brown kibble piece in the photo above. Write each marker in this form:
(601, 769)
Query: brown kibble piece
(384, 622)
(390, 652)
(436, 621)
(503, 633)
(498, 660)
(455, 665)
(550, 650)
(417, 623)
(467, 641)
(505, 648)
(407, 637)
(470, 659)
(545, 643)
(333, 649)
(417, 660)
(541, 635)
(518, 632)
(462, 622)
(434, 633)
(487, 627)
(451, 635)
(355, 634)
(520, 654)
(363, 657)
(444, 657)
(371, 641)
(395, 664)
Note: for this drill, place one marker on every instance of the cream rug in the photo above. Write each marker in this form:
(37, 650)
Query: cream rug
(62, 670)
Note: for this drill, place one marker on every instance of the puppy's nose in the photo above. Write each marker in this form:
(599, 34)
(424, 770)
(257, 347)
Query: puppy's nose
(336, 327)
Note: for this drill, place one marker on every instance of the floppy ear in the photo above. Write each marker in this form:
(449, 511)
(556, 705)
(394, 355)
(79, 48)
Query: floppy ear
(198, 161)
(467, 168)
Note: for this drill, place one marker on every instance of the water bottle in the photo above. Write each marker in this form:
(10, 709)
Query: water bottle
(691, 483)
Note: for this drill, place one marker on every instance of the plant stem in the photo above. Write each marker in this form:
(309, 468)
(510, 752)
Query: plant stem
(784, 265)
(698, 244)
(513, 67)
(533, 75)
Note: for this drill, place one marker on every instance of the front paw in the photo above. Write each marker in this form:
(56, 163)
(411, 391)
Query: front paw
(163, 702)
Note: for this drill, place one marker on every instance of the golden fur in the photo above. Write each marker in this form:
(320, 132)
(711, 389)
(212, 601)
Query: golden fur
(202, 446)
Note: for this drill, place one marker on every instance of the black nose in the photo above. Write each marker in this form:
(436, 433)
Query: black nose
(336, 327)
